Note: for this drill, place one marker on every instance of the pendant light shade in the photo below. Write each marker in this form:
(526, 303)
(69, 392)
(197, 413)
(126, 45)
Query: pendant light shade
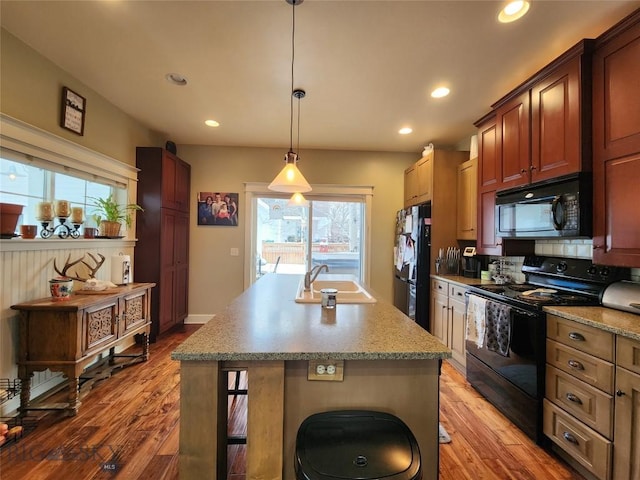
(290, 179)
(298, 200)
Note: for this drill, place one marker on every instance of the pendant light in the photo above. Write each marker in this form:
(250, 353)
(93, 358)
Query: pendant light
(290, 179)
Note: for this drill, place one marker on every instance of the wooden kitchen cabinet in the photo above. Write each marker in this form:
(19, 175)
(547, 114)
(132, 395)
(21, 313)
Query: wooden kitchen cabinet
(489, 168)
(543, 125)
(448, 319)
(67, 336)
(513, 130)
(424, 170)
(626, 448)
(410, 186)
(616, 145)
(162, 251)
(592, 398)
(467, 218)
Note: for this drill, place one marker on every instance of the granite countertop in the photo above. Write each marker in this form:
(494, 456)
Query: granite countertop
(265, 323)
(614, 321)
(609, 319)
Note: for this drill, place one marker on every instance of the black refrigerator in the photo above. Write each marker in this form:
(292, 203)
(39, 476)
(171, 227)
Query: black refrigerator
(411, 258)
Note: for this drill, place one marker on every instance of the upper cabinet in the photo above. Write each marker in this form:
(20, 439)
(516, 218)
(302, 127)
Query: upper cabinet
(418, 181)
(411, 186)
(489, 168)
(543, 126)
(616, 145)
(467, 200)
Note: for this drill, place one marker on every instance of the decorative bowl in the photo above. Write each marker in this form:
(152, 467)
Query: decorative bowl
(61, 288)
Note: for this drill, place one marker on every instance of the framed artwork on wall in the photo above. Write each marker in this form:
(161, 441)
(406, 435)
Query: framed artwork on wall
(74, 107)
(218, 208)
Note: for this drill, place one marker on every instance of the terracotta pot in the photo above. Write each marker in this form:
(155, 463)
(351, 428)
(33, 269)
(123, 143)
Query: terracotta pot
(109, 229)
(9, 214)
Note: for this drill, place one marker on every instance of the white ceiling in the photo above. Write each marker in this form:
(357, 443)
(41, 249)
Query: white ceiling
(367, 66)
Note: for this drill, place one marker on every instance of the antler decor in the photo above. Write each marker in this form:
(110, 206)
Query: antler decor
(68, 264)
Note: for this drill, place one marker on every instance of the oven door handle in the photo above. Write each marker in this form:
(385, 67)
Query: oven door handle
(516, 309)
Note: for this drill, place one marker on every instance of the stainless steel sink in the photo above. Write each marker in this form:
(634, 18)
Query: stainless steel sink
(349, 291)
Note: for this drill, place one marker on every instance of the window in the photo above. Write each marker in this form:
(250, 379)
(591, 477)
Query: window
(26, 185)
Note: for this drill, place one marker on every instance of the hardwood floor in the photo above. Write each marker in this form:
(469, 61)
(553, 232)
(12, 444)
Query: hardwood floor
(131, 422)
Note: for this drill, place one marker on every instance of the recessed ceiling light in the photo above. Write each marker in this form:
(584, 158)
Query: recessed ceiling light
(405, 131)
(514, 10)
(176, 79)
(440, 92)
(211, 123)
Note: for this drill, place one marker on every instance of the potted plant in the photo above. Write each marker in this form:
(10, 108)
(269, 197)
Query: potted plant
(109, 215)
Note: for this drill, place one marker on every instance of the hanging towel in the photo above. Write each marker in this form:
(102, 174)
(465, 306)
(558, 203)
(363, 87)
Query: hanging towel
(498, 333)
(476, 319)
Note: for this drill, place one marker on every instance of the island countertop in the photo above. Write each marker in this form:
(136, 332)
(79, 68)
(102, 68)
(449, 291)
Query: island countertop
(265, 323)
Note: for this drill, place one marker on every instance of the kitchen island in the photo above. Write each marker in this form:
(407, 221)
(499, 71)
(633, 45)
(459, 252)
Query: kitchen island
(388, 363)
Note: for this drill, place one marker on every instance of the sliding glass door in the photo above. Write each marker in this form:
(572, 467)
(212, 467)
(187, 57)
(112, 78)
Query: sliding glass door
(292, 239)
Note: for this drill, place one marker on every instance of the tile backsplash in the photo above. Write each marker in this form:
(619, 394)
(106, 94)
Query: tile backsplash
(581, 248)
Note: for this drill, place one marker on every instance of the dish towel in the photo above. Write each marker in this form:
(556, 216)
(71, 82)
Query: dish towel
(476, 319)
(498, 331)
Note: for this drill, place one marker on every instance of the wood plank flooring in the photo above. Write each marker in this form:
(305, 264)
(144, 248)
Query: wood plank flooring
(130, 422)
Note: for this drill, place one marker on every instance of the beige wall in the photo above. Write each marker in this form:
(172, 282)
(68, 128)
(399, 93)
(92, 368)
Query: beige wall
(31, 91)
(216, 277)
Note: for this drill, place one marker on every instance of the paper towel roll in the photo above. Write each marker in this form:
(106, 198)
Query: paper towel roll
(121, 269)
(473, 148)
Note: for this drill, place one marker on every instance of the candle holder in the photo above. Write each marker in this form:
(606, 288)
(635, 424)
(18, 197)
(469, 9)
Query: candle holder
(64, 229)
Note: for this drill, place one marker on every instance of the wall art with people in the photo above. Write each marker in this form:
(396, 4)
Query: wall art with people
(217, 208)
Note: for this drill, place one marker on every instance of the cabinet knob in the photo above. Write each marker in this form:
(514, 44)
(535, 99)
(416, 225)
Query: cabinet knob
(620, 393)
(576, 336)
(532, 168)
(597, 247)
(523, 171)
(574, 398)
(575, 364)
(570, 438)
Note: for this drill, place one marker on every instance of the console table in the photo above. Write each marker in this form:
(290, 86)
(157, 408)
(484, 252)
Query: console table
(67, 336)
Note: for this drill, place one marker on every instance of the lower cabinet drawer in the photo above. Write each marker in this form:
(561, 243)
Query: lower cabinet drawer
(588, 404)
(590, 369)
(584, 444)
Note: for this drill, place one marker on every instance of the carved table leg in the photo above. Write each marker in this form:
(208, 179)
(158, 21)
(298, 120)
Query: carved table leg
(74, 399)
(25, 390)
(112, 352)
(145, 346)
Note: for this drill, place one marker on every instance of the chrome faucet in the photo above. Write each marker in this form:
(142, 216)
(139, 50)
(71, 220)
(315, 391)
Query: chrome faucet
(312, 274)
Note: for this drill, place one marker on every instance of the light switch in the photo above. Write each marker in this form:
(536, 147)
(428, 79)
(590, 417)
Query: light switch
(235, 252)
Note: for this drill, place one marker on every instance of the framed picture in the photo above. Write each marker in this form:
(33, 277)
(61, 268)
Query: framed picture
(218, 208)
(74, 107)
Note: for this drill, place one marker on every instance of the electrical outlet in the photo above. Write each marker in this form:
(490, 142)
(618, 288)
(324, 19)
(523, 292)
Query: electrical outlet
(326, 370)
(234, 252)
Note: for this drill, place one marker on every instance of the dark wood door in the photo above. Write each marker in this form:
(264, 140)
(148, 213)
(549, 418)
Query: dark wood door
(616, 147)
(556, 123)
(182, 185)
(488, 178)
(513, 141)
(182, 267)
(167, 280)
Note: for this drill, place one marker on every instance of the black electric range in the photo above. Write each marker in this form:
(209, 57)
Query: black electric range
(514, 381)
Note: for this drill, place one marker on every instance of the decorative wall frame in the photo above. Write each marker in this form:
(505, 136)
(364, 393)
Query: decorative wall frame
(73, 110)
(218, 208)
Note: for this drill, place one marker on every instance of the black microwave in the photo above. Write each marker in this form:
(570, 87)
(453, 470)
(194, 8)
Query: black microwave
(560, 208)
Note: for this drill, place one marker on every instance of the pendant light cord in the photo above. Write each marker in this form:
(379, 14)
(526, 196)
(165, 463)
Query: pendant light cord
(293, 56)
